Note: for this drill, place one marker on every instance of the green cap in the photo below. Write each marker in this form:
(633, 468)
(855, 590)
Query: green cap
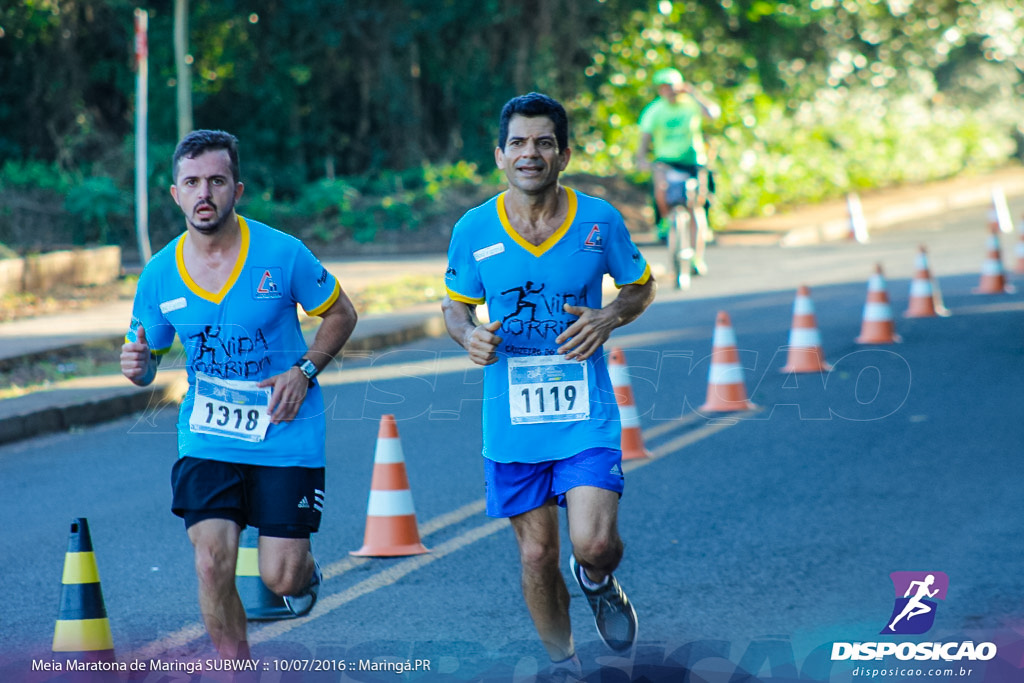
(668, 77)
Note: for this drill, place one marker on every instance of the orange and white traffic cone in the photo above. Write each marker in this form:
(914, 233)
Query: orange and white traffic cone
(726, 390)
(925, 300)
(391, 529)
(805, 352)
(993, 277)
(877, 326)
(632, 438)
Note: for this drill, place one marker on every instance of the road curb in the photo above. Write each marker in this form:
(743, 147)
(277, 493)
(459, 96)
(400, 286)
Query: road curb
(830, 222)
(112, 341)
(887, 215)
(86, 405)
(428, 327)
(93, 400)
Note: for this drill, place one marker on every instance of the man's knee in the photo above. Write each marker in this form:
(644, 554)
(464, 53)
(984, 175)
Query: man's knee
(285, 565)
(538, 557)
(215, 565)
(602, 552)
(285, 579)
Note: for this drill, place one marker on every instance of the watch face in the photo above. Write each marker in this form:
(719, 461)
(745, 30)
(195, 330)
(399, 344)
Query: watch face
(308, 368)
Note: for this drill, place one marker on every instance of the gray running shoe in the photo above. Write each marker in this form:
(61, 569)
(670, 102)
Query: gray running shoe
(613, 614)
(301, 603)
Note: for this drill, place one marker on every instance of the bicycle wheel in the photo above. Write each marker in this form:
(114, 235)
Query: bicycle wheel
(679, 248)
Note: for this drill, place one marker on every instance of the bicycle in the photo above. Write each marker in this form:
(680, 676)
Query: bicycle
(684, 194)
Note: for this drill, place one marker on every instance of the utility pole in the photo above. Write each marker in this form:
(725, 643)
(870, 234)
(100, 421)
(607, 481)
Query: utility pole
(141, 116)
(182, 67)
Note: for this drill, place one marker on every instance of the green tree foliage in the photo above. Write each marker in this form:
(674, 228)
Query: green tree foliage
(819, 97)
(319, 88)
(337, 99)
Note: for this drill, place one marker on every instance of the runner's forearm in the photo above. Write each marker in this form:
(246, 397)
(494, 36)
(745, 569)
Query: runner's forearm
(146, 379)
(459, 319)
(336, 327)
(632, 301)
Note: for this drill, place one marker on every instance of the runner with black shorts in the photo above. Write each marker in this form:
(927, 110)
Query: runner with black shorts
(251, 429)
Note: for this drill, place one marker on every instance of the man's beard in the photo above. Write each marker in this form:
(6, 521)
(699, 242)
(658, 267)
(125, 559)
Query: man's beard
(214, 227)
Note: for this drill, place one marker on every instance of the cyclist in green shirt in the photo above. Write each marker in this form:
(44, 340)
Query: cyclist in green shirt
(671, 132)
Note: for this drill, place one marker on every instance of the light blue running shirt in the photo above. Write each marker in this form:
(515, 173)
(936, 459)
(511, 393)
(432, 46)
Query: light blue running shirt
(537, 405)
(246, 332)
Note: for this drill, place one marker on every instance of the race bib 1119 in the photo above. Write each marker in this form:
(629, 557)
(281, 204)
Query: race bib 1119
(547, 389)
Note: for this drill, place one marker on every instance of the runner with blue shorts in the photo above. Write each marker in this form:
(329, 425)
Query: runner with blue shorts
(536, 256)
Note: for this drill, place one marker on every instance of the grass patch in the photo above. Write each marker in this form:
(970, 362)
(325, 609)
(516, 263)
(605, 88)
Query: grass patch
(18, 378)
(64, 298)
(408, 291)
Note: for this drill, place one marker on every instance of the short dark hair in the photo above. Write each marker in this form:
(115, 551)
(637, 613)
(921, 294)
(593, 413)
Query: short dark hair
(535, 104)
(199, 141)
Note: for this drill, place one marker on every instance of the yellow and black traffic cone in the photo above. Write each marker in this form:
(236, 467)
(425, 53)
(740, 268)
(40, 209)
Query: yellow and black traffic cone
(83, 630)
(260, 603)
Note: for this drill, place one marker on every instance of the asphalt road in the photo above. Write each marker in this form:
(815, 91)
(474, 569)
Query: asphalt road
(755, 540)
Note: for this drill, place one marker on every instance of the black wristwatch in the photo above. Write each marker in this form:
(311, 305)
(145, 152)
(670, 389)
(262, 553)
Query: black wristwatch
(307, 368)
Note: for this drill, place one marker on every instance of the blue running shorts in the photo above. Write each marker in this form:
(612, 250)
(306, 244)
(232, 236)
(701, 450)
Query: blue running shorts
(515, 487)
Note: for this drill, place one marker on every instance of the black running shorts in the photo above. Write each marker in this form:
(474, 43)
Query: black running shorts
(285, 502)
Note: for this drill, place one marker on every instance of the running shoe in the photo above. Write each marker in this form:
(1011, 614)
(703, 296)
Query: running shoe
(301, 603)
(698, 267)
(566, 671)
(613, 614)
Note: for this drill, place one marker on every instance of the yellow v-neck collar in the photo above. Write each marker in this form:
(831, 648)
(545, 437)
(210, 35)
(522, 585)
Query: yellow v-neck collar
(214, 297)
(543, 247)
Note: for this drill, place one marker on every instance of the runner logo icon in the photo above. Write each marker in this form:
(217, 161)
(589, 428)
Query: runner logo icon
(914, 610)
(913, 613)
